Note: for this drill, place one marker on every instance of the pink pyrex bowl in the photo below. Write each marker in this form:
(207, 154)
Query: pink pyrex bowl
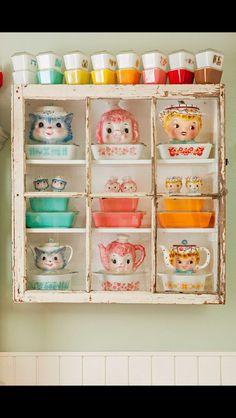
(118, 204)
(118, 219)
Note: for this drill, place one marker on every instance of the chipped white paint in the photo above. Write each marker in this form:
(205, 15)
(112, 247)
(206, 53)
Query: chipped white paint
(118, 368)
(152, 93)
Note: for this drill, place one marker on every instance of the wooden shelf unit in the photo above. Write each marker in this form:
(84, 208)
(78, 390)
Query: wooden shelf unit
(154, 95)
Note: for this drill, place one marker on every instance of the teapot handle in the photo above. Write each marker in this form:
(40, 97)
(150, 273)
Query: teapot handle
(143, 254)
(32, 249)
(208, 257)
(71, 252)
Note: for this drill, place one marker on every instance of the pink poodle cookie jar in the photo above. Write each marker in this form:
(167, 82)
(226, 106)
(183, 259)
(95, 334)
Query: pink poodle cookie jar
(120, 256)
(117, 126)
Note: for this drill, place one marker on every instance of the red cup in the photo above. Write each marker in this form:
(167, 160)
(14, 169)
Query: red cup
(181, 76)
(154, 76)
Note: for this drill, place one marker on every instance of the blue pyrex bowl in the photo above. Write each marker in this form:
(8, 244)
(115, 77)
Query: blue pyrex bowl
(49, 204)
(50, 219)
(50, 77)
(52, 281)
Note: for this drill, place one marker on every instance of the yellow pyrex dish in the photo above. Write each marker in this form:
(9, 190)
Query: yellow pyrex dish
(77, 77)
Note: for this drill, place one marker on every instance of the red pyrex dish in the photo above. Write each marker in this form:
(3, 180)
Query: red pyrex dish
(118, 204)
(181, 76)
(118, 219)
(1, 78)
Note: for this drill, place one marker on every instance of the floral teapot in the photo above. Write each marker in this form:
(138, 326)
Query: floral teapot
(120, 255)
(184, 257)
(51, 256)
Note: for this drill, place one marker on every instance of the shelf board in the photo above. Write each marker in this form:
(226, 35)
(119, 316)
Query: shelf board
(119, 297)
(121, 162)
(122, 195)
(188, 230)
(121, 230)
(56, 230)
(54, 194)
(187, 161)
(55, 162)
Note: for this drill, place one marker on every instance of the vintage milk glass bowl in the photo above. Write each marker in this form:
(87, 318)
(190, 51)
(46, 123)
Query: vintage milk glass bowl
(24, 61)
(155, 59)
(128, 59)
(76, 60)
(49, 60)
(103, 60)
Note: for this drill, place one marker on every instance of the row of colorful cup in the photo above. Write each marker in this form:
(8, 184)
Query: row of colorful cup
(181, 63)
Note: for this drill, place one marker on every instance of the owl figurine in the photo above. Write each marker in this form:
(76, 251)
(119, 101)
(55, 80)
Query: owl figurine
(58, 184)
(41, 184)
(128, 185)
(112, 185)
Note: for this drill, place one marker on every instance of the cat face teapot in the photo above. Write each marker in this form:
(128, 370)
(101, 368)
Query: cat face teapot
(50, 125)
(51, 256)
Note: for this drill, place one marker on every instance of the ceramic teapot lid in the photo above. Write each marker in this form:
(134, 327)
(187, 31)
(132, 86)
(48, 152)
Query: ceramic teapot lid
(50, 110)
(184, 247)
(50, 245)
(122, 238)
(182, 109)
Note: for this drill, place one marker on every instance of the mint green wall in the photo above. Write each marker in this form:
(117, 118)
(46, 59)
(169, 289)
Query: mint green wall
(58, 327)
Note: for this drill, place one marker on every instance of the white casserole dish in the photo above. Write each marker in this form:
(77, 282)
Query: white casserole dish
(25, 77)
(51, 152)
(182, 60)
(168, 151)
(76, 61)
(155, 59)
(117, 151)
(210, 58)
(185, 283)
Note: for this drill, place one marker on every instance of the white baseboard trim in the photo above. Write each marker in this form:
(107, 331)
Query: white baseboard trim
(118, 368)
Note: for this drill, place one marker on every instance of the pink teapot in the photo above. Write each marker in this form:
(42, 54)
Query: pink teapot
(120, 255)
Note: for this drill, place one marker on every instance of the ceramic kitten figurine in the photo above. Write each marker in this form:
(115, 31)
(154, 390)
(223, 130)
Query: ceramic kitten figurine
(58, 184)
(50, 125)
(54, 260)
(41, 184)
(117, 126)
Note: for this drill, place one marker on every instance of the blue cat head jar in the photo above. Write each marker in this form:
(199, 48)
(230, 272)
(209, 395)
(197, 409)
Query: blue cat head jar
(50, 125)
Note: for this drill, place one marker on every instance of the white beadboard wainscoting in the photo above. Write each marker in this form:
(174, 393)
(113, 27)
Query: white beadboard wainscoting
(118, 368)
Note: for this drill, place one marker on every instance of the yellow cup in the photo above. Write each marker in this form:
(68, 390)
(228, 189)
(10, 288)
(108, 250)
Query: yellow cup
(77, 77)
(103, 76)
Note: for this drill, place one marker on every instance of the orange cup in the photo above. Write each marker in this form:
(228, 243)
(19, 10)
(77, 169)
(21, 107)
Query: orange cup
(128, 76)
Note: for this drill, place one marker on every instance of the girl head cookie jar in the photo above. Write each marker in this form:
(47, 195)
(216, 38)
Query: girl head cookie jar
(182, 122)
(50, 125)
(117, 126)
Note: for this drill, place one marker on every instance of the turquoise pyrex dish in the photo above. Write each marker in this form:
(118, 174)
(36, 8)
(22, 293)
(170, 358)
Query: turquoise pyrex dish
(50, 219)
(50, 77)
(49, 204)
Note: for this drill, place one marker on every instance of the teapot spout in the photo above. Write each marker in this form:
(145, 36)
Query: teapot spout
(166, 257)
(104, 256)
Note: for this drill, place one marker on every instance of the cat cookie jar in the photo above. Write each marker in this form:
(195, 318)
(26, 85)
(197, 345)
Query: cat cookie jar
(50, 125)
(51, 256)
(120, 256)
